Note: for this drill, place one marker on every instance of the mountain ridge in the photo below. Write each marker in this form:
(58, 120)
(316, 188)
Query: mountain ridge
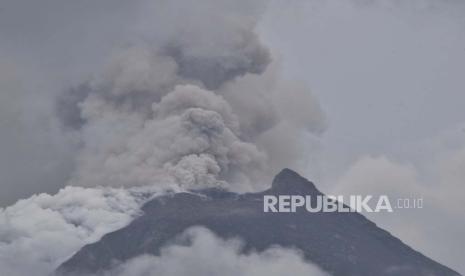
(340, 243)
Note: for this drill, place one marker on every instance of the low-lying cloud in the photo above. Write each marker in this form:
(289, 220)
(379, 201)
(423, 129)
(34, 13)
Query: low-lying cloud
(433, 229)
(39, 233)
(197, 248)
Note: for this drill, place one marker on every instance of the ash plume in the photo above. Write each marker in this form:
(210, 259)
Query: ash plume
(194, 105)
(192, 100)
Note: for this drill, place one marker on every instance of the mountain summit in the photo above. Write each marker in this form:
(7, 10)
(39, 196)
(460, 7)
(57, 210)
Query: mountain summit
(291, 183)
(342, 244)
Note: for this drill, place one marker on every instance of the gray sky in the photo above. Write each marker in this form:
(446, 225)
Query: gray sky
(388, 74)
(390, 77)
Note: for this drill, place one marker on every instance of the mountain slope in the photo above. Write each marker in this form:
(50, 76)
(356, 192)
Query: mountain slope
(340, 243)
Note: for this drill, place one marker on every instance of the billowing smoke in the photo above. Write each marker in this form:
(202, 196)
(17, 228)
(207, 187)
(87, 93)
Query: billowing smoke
(195, 105)
(197, 248)
(39, 233)
(193, 100)
(191, 138)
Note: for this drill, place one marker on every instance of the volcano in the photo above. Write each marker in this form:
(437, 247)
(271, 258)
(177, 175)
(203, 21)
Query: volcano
(342, 244)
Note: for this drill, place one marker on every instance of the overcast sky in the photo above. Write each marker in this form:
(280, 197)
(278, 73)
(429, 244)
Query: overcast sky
(389, 75)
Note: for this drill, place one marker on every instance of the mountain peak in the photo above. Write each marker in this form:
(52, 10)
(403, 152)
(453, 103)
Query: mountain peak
(343, 244)
(290, 182)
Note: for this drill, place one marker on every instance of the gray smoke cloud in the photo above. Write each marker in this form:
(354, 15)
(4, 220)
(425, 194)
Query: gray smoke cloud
(155, 95)
(123, 61)
(169, 111)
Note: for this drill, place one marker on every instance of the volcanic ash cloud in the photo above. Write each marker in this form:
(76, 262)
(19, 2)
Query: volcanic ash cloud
(197, 107)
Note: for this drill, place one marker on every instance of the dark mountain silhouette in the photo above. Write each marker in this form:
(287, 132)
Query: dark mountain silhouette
(341, 243)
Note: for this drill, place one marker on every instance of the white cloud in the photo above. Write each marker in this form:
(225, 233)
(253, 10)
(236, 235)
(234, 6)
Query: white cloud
(203, 253)
(434, 230)
(39, 233)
